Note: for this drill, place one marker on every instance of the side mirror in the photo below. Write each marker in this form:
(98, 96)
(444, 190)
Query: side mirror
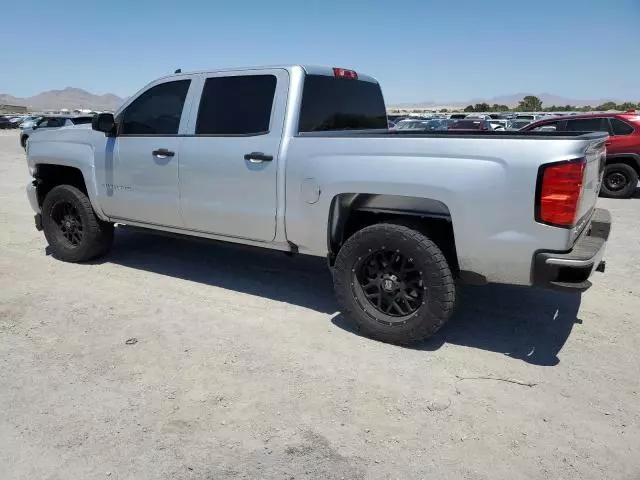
(104, 122)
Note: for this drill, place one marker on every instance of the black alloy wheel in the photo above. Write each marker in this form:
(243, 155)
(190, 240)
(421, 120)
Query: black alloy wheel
(69, 222)
(394, 283)
(391, 283)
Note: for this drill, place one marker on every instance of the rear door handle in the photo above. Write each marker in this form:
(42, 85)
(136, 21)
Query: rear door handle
(163, 152)
(258, 157)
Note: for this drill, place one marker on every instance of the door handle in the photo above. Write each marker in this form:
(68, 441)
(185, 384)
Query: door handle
(258, 157)
(163, 152)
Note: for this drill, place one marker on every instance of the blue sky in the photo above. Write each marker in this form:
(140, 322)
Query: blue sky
(418, 49)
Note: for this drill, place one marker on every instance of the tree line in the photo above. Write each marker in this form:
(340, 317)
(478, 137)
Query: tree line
(531, 103)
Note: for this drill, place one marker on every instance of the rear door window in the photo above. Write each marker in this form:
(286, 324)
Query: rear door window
(330, 104)
(156, 111)
(236, 105)
(596, 124)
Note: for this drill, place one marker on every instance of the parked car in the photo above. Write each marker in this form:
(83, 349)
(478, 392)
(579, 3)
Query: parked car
(5, 123)
(29, 121)
(499, 124)
(531, 117)
(52, 122)
(441, 124)
(458, 116)
(299, 159)
(518, 124)
(471, 124)
(14, 121)
(623, 147)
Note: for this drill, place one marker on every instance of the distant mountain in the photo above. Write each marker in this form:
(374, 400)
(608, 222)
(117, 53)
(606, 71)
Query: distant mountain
(548, 99)
(70, 98)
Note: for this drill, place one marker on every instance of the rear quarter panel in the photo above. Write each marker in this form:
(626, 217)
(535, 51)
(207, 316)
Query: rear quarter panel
(487, 184)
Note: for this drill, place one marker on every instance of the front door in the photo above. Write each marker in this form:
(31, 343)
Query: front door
(140, 176)
(229, 165)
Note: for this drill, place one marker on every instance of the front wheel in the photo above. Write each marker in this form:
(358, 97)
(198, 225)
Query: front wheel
(394, 283)
(620, 181)
(74, 232)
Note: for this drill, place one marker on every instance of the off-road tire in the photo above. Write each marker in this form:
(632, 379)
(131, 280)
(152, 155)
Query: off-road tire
(623, 170)
(438, 283)
(97, 236)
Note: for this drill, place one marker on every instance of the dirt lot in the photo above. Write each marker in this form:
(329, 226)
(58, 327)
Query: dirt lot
(243, 368)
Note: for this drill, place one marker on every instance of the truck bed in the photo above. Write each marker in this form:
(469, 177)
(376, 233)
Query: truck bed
(508, 135)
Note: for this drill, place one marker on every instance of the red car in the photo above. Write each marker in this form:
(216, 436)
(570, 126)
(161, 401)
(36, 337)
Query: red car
(623, 147)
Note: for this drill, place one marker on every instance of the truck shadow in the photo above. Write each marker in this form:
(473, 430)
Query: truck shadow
(524, 323)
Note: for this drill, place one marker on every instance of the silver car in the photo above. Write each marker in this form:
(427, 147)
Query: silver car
(51, 122)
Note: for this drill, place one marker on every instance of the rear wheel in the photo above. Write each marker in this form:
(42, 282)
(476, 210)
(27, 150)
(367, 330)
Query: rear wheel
(23, 141)
(394, 283)
(620, 181)
(71, 227)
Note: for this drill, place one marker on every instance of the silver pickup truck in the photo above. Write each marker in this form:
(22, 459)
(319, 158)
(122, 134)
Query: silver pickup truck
(299, 159)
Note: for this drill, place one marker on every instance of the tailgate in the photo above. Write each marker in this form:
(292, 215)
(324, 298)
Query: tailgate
(595, 155)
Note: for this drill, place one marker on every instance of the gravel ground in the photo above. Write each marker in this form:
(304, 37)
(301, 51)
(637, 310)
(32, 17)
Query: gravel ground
(244, 369)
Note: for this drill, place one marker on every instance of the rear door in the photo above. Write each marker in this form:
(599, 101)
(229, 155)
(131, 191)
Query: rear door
(622, 138)
(229, 163)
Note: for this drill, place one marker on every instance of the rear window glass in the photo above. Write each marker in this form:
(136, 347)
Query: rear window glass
(618, 127)
(330, 104)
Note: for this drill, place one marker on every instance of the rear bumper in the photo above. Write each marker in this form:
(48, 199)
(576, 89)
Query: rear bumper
(570, 271)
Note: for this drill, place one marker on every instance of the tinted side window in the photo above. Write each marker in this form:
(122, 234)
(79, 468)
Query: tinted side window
(239, 105)
(618, 127)
(157, 111)
(587, 125)
(81, 120)
(330, 103)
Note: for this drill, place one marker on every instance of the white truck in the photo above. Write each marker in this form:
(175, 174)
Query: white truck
(299, 159)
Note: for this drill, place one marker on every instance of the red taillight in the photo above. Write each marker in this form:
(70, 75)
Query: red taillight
(344, 73)
(559, 191)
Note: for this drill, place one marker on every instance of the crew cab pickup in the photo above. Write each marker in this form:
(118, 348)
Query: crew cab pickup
(299, 159)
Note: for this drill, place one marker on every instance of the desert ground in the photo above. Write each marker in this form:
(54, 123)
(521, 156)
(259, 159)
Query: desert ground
(180, 359)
